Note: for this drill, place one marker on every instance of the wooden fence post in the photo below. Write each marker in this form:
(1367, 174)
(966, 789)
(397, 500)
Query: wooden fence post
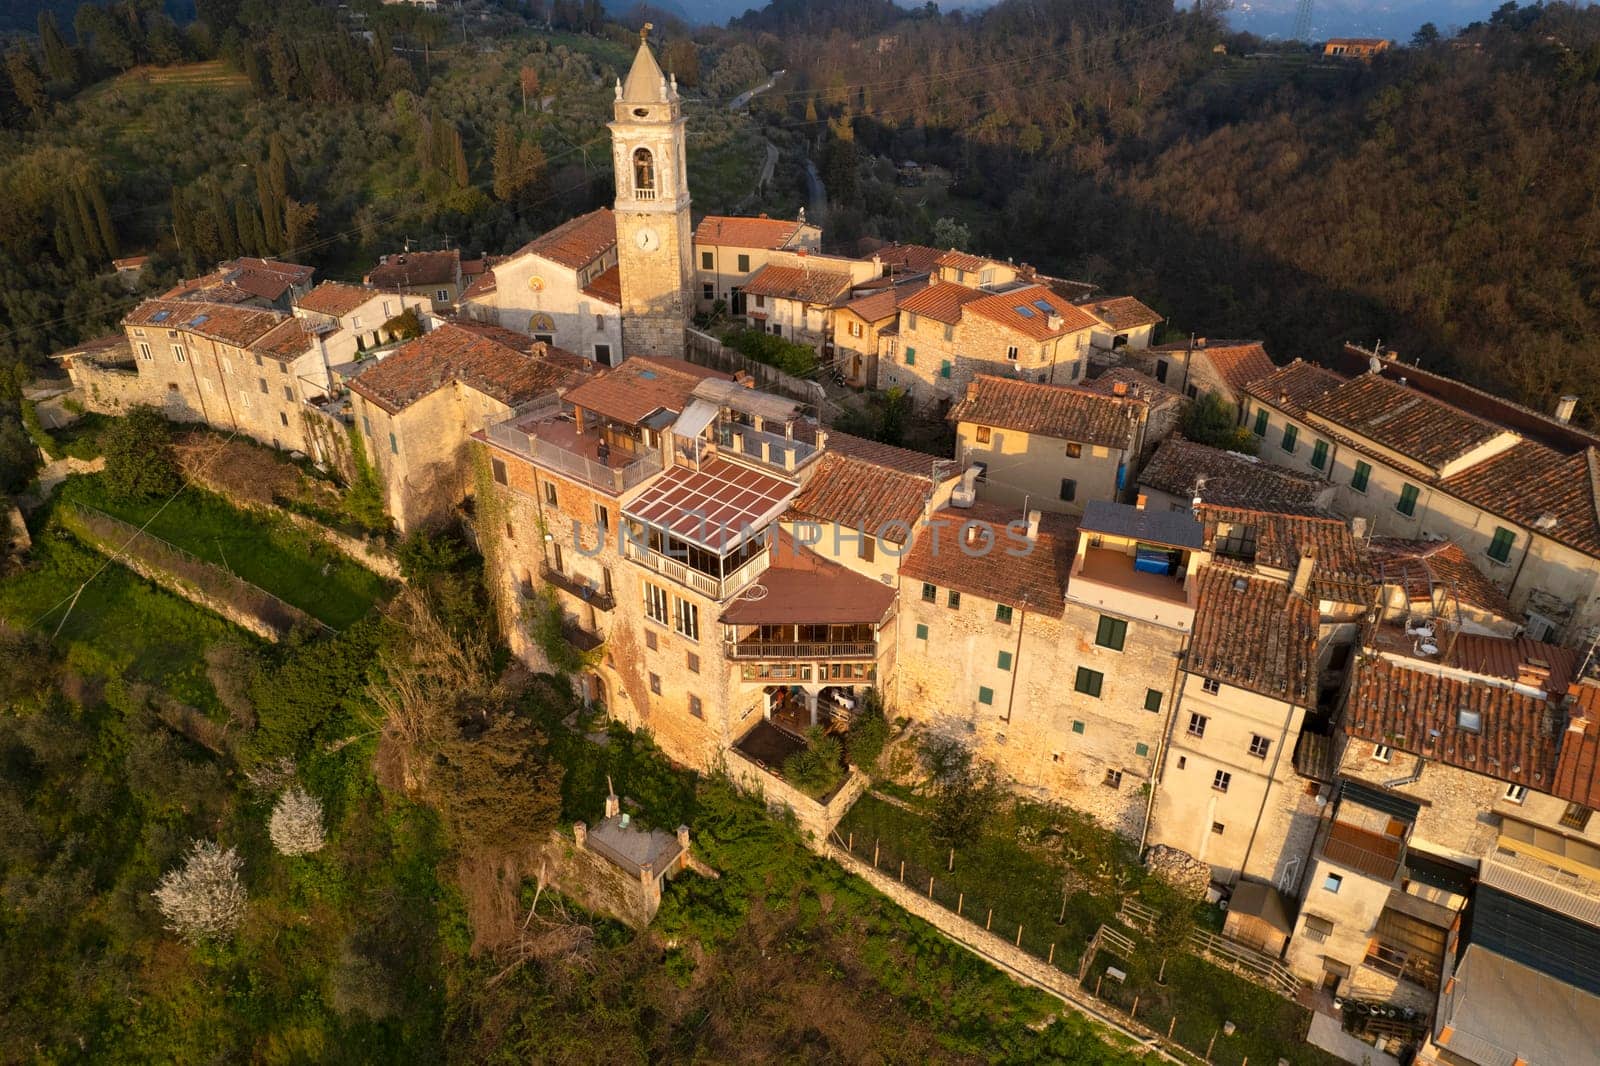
(960, 898)
(930, 888)
(1097, 981)
(1212, 1044)
(1052, 959)
(1019, 934)
(989, 921)
(850, 844)
(951, 865)
(902, 871)
(1173, 1024)
(875, 844)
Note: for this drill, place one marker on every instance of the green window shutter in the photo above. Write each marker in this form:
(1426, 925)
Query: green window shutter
(1113, 632)
(944, 369)
(930, 592)
(922, 631)
(985, 695)
(1291, 433)
(1005, 660)
(1141, 750)
(1408, 500)
(1077, 727)
(1261, 422)
(394, 445)
(1500, 546)
(911, 356)
(1002, 613)
(953, 600)
(1319, 454)
(1358, 479)
(1089, 681)
(1152, 699)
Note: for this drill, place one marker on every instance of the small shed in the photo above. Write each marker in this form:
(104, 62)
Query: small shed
(1257, 918)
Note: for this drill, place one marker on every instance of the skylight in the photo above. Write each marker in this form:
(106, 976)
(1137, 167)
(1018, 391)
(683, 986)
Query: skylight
(1024, 310)
(1470, 720)
(1044, 305)
(198, 320)
(160, 316)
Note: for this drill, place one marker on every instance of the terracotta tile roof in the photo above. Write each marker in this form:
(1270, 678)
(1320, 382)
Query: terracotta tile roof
(1134, 383)
(1035, 581)
(1418, 565)
(1418, 712)
(1231, 479)
(285, 341)
(266, 278)
(908, 258)
(877, 307)
(902, 459)
(809, 285)
(1510, 660)
(1063, 412)
(1294, 387)
(1404, 420)
(962, 261)
(1237, 362)
(1578, 762)
(941, 301)
(642, 385)
(455, 353)
(803, 587)
(335, 298)
(1124, 312)
(481, 286)
(1067, 289)
(854, 493)
(1028, 310)
(1253, 633)
(732, 231)
(1538, 488)
(521, 342)
(606, 287)
(1340, 573)
(577, 242)
(213, 288)
(410, 269)
(227, 323)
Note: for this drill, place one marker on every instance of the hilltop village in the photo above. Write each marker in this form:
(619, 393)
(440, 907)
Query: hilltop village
(1349, 679)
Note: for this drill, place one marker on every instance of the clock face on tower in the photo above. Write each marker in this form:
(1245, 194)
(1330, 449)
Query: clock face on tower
(647, 240)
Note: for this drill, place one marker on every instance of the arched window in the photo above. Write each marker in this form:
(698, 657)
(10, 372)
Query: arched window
(644, 174)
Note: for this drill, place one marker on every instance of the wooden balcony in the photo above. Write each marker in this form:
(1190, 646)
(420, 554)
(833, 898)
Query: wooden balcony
(598, 598)
(760, 649)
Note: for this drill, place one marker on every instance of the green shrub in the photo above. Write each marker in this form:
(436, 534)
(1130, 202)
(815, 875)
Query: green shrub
(817, 768)
(791, 358)
(140, 462)
(869, 732)
(427, 553)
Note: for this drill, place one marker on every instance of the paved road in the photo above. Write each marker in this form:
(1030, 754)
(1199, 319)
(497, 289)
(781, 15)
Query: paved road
(745, 97)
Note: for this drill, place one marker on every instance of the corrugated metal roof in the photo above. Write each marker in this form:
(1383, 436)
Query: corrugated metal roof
(1556, 945)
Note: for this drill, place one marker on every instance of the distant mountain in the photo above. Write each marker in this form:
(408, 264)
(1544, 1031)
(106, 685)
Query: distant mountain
(1394, 19)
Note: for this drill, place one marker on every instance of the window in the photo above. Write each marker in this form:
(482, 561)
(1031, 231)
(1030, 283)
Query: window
(1516, 793)
(867, 549)
(1211, 686)
(1197, 725)
(1002, 613)
(1261, 422)
(1078, 728)
(655, 603)
(1381, 752)
(655, 684)
(262, 384)
(258, 357)
(1500, 546)
(985, 695)
(985, 435)
(283, 418)
(761, 300)
(1004, 661)
(708, 291)
(911, 323)
(1259, 745)
(944, 368)
(1141, 750)
(1074, 450)
(288, 394)
(1360, 476)
(394, 444)
(1114, 778)
(1576, 816)
(1152, 699)
(911, 356)
(511, 533)
(602, 354)
(560, 563)
(707, 261)
(1332, 883)
(1291, 434)
(744, 264)
(1113, 632)
(949, 333)
(1319, 454)
(1216, 827)
(550, 493)
(144, 351)
(686, 619)
(930, 593)
(922, 631)
(442, 296)
(498, 469)
(1089, 681)
(602, 518)
(1161, 371)
(1221, 780)
(1407, 504)
(952, 600)
(644, 174)
(651, 641)
(694, 706)
(1069, 488)
(177, 353)
(1011, 353)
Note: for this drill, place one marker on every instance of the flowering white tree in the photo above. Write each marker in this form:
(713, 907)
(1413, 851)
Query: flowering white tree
(204, 898)
(296, 826)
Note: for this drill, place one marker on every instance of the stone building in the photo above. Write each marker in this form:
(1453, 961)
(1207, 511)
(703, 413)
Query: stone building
(1163, 406)
(417, 407)
(248, 281)
(863, 323)
(348, 320)
(1181, 471)
(563, 288)
(1199, 366)
(654, 242)
(1124, 323)
(1054, 447)
(730, 250)
(432, 276)
(795, 300)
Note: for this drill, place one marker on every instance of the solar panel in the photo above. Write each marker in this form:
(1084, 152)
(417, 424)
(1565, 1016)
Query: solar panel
(1024, 310)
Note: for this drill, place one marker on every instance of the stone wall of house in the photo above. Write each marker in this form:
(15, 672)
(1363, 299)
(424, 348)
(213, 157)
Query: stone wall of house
(1457, 819)
(976, 345)
(596, 883)
(1031, 467)
(112, 390)
(816, 819)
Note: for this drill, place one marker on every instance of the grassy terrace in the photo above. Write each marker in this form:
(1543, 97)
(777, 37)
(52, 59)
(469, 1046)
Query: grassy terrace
(263, 550)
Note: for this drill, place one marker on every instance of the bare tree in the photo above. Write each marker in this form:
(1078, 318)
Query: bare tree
(296, 825)
(204, 899)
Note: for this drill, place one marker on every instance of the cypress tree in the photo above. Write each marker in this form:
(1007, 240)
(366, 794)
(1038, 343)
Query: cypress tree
(102, 215)
(67, 213)
(182, 230)
(248, 225)
(59, 61)
(92, 249)
(271, 212)
(458, 156)
(222, 218)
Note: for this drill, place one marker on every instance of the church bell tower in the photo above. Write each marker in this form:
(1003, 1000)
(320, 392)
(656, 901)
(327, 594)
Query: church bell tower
(654, 242)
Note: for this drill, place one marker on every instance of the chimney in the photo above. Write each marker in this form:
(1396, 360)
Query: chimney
(1119, 388)
(1199, 342)
(580, 833)
(613, 805)
(1564, 408)
(1358, 527)
(1139, 501)
(1033, 526)
(683, 837)
(1055, 322)
(1302, 571)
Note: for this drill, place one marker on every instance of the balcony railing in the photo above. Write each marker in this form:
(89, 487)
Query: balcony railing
(771, 449)
(612, 479)
(759, 649)
(707, 584)
(597, 598)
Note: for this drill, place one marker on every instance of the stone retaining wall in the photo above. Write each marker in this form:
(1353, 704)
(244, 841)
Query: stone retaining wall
(816, 819)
